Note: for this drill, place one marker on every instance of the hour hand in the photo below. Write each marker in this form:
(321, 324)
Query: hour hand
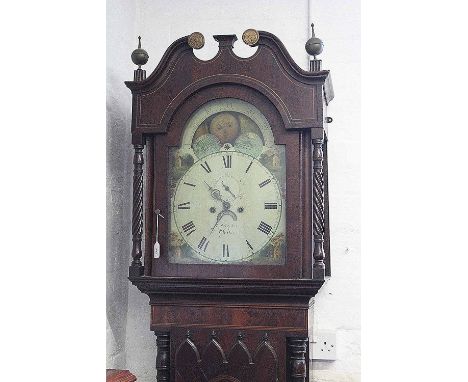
(228, 189)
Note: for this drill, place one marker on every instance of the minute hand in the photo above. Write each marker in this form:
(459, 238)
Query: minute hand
(220, 216)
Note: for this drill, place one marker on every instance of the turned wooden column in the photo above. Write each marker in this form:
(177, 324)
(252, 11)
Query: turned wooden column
(318, 210)
(297, 363)
(163, 356)
(136, 268)
(139, 57)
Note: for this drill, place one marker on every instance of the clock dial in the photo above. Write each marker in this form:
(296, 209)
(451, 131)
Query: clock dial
(232, 210)
(227, 187)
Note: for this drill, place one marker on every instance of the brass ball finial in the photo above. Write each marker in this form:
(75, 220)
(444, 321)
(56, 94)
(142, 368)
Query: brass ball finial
(250, 37)
(139, 56)
(196, 40)
(314, 46)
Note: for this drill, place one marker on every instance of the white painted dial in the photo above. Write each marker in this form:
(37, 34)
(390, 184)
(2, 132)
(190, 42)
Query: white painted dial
(227, 206)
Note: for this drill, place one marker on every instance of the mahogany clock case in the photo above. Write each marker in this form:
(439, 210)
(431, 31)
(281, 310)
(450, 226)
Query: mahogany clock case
(292, 101)
(232, 322)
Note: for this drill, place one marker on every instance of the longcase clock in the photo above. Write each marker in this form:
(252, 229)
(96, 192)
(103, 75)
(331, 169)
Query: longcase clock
(230, 207)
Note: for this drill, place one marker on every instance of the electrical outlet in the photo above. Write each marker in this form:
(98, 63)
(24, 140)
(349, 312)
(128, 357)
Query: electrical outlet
(324, 346)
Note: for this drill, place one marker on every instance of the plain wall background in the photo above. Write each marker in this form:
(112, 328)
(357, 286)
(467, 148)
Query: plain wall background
(130, 343)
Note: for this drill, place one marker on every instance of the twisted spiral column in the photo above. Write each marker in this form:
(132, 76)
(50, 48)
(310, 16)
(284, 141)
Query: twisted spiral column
(318, 210)
(136, 268)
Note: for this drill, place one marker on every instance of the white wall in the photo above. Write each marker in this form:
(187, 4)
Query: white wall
(338, 302)
(121, 17)
(159, 23)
